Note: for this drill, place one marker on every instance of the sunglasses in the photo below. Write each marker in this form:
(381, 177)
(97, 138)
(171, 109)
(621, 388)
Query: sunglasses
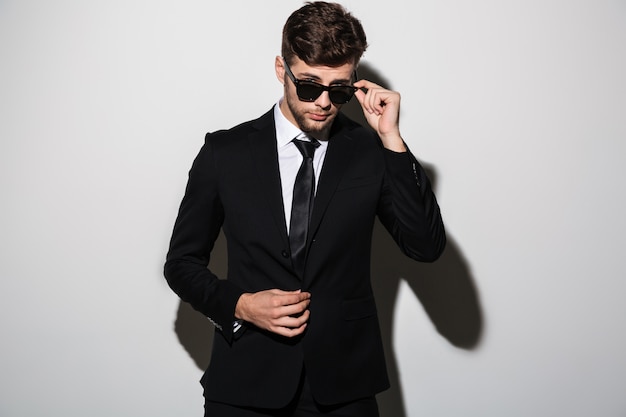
(310, 90)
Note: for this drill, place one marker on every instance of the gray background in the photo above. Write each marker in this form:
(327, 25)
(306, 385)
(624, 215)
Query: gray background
(517, 108)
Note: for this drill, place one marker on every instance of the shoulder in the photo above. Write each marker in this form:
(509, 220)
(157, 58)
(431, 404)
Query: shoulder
(227, 146)
(238, 134)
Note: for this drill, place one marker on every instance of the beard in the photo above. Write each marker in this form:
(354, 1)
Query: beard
(316, 128)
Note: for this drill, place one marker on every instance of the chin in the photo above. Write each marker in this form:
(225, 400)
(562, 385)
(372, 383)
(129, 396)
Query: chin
(311, 126)
(305, 123)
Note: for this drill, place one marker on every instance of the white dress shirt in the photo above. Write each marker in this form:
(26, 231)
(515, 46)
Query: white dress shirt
(289, 161)
(290, 158)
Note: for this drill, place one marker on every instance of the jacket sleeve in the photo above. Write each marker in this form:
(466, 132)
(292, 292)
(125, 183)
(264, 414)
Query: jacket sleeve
(408, 208)
(197, 227)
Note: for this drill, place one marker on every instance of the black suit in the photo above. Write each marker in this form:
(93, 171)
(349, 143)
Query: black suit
(234, 184)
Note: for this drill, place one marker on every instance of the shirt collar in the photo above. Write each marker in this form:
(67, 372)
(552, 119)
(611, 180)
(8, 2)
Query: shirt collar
(285, 130)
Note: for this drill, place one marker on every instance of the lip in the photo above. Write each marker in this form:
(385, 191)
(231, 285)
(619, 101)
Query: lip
(318, 117)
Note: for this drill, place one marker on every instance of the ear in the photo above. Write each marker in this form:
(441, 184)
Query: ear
(279, 67)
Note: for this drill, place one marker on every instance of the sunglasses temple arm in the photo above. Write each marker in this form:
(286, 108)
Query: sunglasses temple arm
(356, 78)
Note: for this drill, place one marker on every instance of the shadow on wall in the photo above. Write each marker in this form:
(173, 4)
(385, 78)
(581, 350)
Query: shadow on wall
(445, 289)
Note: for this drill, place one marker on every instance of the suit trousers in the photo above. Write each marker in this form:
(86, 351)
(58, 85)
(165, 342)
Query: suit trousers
(303, 405)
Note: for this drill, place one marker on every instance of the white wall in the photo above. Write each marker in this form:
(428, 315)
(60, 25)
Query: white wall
(518, 108)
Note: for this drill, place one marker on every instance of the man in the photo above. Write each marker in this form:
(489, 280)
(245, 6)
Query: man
(297, 331)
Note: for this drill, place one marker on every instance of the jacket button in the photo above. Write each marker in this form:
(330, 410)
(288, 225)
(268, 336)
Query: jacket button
(285, 254)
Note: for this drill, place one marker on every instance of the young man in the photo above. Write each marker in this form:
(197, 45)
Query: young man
(296, 193)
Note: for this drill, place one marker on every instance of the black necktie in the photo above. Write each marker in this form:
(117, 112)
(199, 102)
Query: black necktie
(302, 204)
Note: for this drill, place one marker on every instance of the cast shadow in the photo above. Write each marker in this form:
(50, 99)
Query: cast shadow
(445, 289)
(195, 332)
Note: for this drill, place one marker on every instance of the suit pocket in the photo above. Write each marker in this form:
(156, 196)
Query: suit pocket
(359, 308)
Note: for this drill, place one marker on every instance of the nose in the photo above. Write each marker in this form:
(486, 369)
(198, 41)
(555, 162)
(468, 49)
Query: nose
(323, 101)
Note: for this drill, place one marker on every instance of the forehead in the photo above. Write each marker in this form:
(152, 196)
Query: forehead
(322, 72)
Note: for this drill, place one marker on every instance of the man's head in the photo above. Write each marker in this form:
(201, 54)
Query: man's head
(322, 44)
(321, 33)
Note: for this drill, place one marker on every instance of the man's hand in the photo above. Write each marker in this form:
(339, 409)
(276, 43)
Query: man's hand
(381, 108)
(282, 312)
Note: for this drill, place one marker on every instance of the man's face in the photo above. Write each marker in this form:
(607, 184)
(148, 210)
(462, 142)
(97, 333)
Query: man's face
(315, 117)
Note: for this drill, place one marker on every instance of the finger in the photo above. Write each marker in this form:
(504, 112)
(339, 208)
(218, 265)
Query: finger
(377, 99)
(292, 322)
(385, 100)
(292, 298)
(293, 309)
(276, 291)
(289, 332)
(364, 100)
(366, 84)
(371, 100)
(366, 97)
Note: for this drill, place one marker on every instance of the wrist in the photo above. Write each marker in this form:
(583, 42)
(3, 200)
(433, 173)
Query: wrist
(240, 307)
(393, 142)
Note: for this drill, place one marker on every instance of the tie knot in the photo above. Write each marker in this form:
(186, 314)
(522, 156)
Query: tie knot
(306, 148)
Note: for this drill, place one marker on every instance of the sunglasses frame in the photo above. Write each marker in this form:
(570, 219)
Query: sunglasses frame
(299, 83)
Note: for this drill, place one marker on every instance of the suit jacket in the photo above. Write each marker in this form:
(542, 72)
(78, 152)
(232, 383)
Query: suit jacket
(234, 185)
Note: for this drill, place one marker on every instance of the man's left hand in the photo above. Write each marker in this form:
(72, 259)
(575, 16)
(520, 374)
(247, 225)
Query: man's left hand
(381, 108)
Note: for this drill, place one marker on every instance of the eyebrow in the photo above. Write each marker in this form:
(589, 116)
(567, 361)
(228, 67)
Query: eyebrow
(307, 75)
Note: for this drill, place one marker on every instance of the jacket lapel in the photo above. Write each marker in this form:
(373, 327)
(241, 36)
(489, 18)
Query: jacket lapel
(338, 157)
(263, 147)
(339, 154)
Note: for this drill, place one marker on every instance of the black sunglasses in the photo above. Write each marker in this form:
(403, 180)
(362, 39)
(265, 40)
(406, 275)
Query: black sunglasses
(310, 90)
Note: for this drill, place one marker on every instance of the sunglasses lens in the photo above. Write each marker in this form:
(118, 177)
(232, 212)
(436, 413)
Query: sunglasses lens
(340, 95)
(308, 91)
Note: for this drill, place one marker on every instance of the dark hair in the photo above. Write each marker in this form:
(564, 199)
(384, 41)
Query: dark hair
(321, 33)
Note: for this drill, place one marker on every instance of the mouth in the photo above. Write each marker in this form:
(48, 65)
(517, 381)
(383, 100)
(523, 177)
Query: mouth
(318, 117)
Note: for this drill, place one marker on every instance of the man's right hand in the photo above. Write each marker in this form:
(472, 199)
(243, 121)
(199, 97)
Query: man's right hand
(282, 312)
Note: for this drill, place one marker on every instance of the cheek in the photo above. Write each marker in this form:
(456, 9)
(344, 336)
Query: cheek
(290, 90)
(295, 104)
